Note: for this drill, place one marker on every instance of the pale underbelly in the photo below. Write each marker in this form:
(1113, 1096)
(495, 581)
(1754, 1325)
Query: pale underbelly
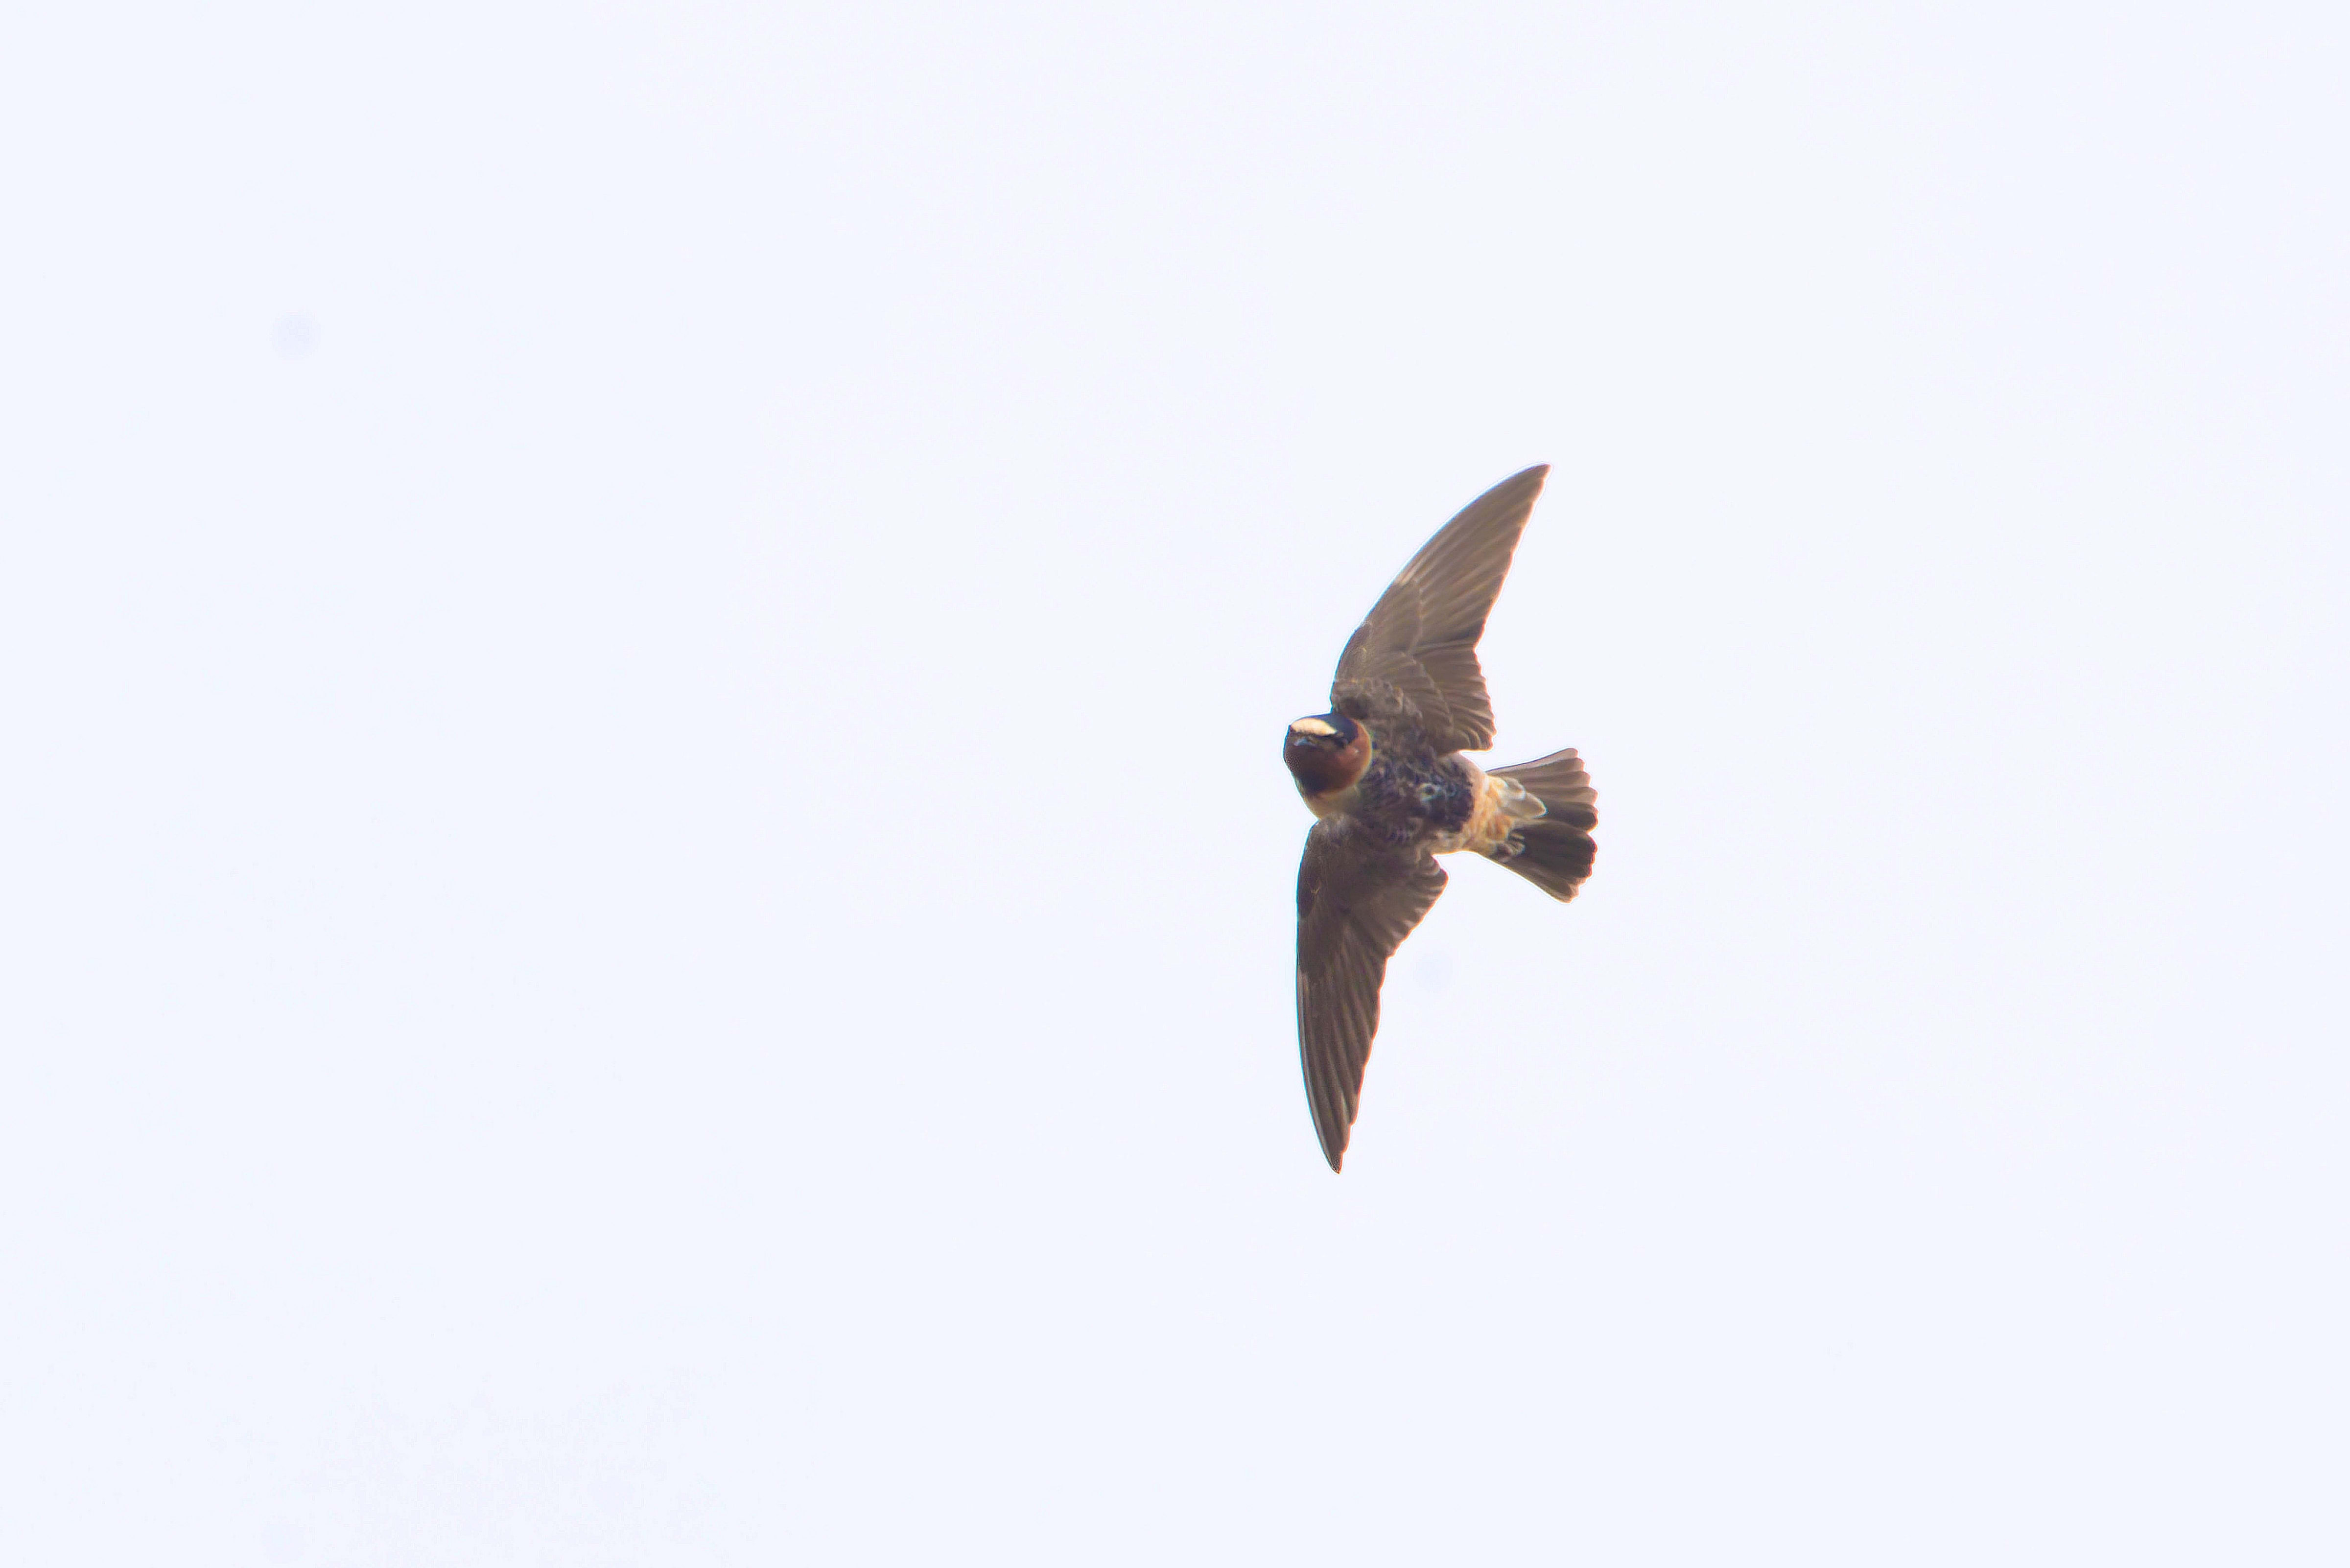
(1500, 805)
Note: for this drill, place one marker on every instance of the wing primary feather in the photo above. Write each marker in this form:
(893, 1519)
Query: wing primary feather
(1356, 906)
(1417, 646)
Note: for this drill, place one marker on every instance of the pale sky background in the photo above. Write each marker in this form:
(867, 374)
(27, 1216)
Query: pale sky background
(648, 887)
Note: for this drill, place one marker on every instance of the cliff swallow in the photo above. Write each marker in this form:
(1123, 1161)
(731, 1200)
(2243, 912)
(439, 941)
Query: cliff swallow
(1383, 774)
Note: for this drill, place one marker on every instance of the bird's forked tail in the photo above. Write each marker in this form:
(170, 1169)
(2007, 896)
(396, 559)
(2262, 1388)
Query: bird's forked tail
(1554, 851)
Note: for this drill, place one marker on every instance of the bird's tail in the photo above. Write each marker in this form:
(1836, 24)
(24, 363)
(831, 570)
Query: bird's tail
(1554, 851)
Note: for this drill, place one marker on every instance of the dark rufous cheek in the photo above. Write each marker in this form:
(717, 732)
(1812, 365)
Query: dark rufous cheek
(1322, 768)
(1347, 763)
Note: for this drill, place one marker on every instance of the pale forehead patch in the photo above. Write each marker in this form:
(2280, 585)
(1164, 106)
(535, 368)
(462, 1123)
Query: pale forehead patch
(1311, 727)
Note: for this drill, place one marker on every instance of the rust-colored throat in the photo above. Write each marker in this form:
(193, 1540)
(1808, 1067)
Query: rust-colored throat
(1326, 753)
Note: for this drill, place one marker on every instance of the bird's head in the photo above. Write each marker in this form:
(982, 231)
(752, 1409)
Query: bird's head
(1326, 753)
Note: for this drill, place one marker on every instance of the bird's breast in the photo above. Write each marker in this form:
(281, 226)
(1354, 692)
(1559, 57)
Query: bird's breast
(1329, 803)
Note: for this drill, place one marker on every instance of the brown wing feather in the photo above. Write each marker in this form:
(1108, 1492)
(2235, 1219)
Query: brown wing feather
(1355, 906)
(1419, 641)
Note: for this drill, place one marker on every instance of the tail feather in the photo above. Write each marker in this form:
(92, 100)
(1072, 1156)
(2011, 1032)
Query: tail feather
(1555, 851)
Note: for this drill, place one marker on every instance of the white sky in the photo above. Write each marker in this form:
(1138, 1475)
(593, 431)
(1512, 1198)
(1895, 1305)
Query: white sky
(645, 900)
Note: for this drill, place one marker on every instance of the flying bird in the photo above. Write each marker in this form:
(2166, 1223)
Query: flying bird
(1383, 774)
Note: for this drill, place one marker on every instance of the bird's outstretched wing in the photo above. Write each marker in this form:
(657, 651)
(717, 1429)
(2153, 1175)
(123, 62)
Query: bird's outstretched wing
(1419, 641)
(1355, 906)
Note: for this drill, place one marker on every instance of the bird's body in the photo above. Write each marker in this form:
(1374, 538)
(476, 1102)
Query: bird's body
(1384, 776)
